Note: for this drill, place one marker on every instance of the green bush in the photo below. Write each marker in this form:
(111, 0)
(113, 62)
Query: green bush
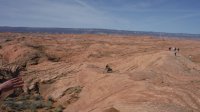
(38, 97)
(59, 109)
(48, 105)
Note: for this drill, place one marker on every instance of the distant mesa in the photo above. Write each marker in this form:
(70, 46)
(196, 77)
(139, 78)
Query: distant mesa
(91, 31)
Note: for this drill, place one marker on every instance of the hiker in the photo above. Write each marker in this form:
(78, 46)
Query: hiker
(107, 66)
(108, 69)
(175, 53)
(11, 84)
(170, 48)
(178, 49)
(173, 48)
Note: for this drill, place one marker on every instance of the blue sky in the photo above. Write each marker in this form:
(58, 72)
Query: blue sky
(176, 16)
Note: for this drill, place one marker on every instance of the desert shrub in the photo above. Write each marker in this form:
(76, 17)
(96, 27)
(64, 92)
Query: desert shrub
(50, 99)
(38, 104)
(48, 105)
(24, 97)
(29, 103)
(73, 93)
(53, 58)
(25, 102)
(76, 89)
(38, 97)
(60, 108)
(33, 108)
(9, 99)
(34, 59)
(9, 72)
(34, 46)
(27, 97)
(16, 105)
(8, 40)
(73, 98)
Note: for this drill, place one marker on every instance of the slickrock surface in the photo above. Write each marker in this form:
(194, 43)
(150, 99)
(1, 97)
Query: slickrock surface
(145, 77)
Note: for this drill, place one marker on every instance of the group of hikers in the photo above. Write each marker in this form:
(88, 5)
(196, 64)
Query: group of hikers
(174, 49)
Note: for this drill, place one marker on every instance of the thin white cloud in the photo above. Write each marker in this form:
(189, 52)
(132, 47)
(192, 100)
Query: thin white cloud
(84, 4)
(72, 13)
(175, 19)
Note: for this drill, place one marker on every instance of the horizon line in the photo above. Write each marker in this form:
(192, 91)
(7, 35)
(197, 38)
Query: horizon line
(101, 29)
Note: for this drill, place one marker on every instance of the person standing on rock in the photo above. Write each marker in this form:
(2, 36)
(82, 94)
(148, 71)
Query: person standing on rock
(178, 49)
(108, 69)
(170, 48)
(173, 48)
(175, 53)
